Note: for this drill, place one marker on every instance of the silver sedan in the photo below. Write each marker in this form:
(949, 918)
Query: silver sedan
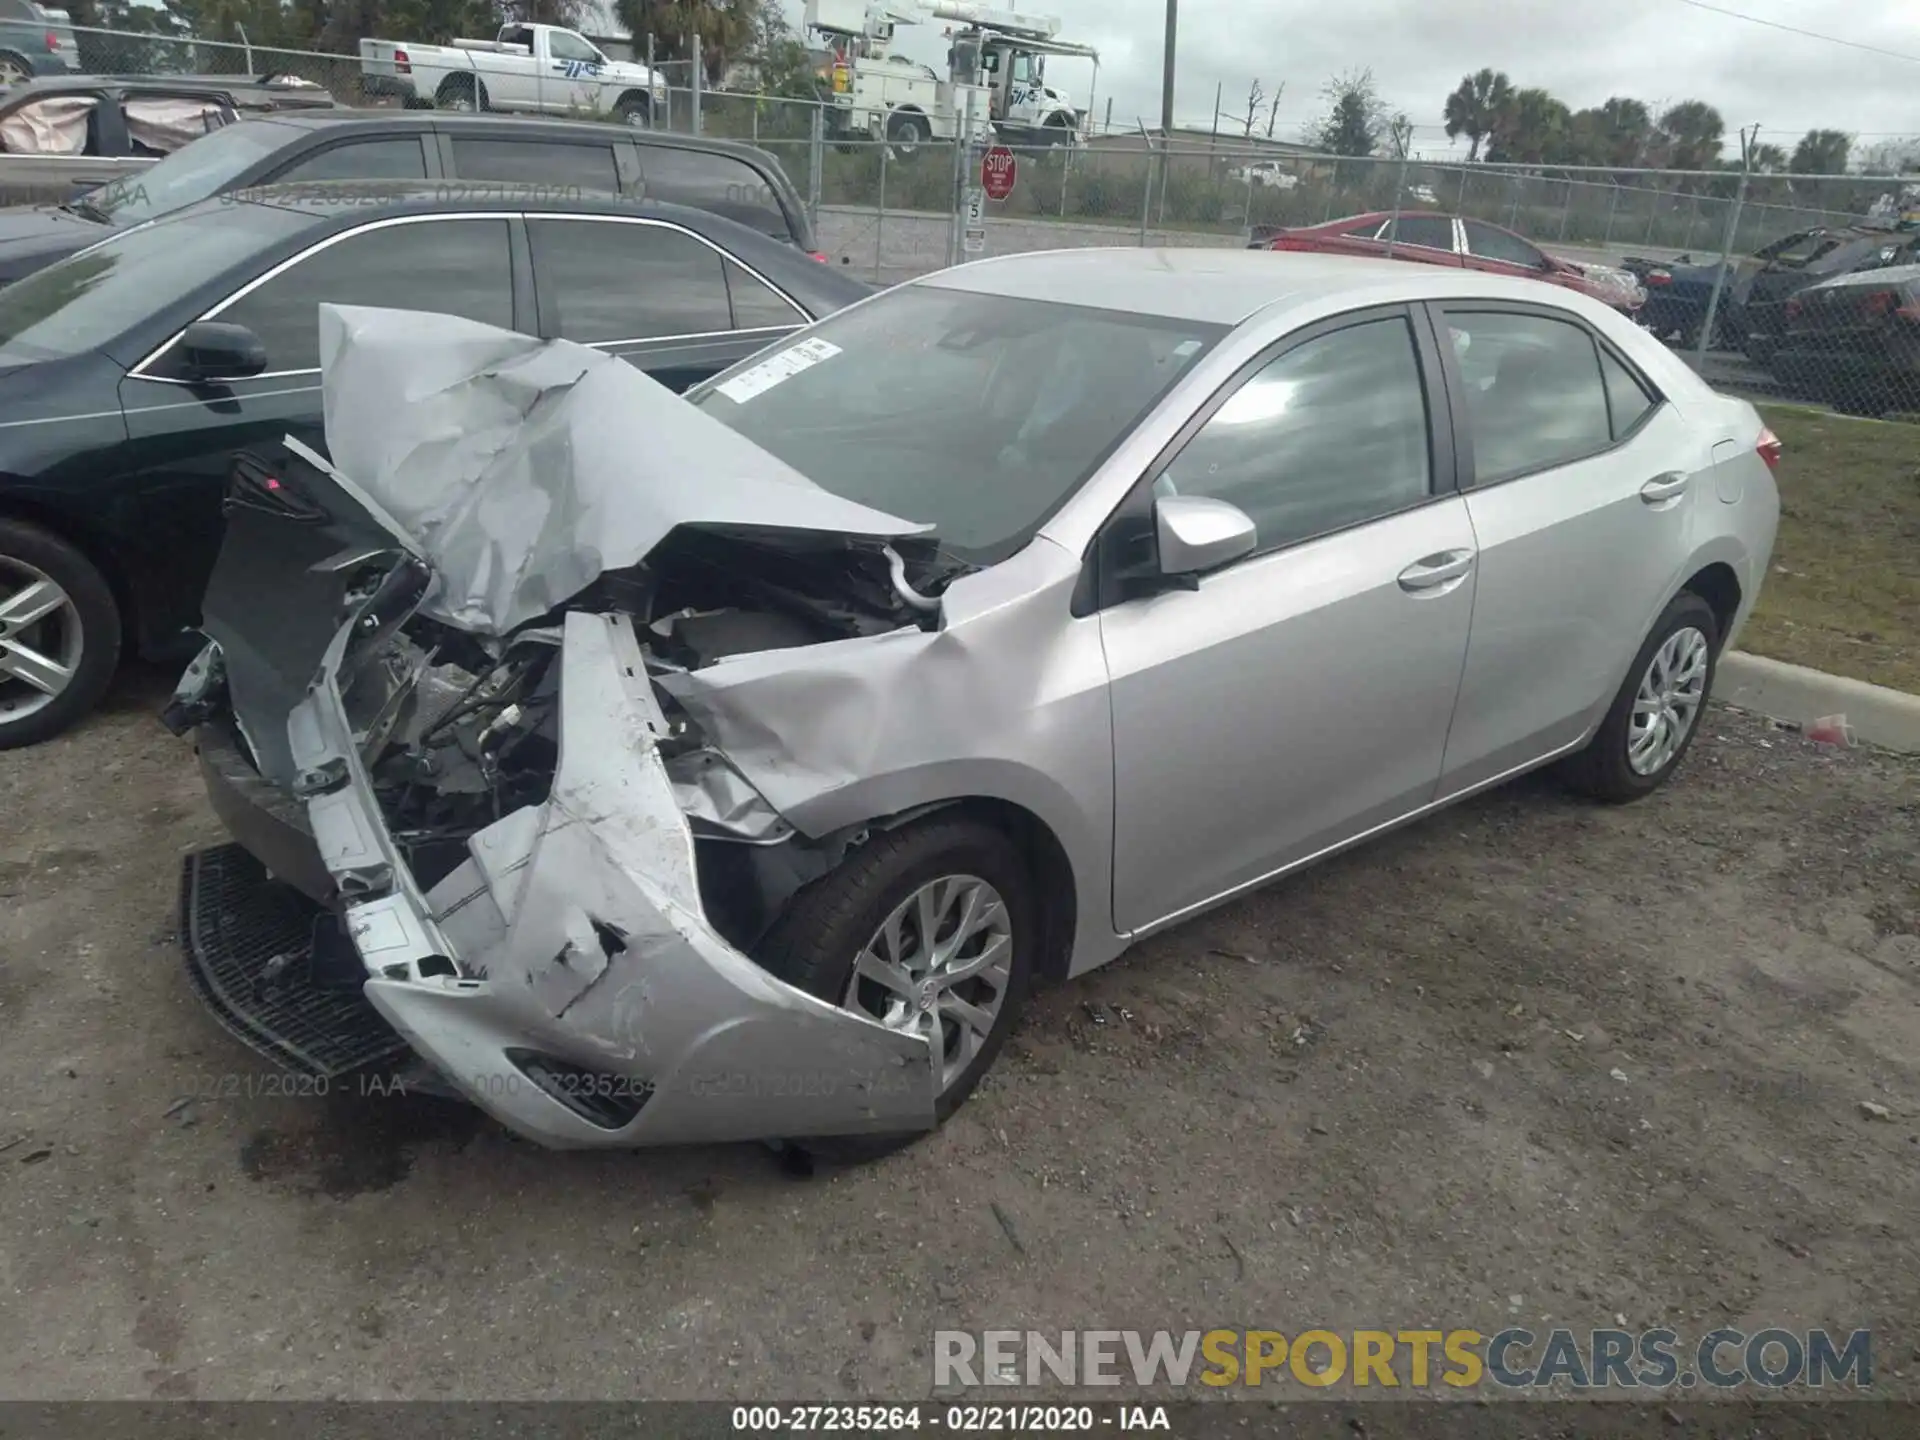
(730, 767)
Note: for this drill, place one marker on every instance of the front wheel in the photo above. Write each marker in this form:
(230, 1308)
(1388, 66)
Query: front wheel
(929, 929)
(59, 635)
(1656, 713)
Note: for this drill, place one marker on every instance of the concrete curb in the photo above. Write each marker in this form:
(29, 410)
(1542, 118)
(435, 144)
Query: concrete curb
(1879, 716)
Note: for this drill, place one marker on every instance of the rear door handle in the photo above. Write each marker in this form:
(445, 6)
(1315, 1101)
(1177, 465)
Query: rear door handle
(1436, 572)
(1662, 488)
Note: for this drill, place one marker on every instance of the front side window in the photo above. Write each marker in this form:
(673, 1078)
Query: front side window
(1535, 394)
(361, 160)
(1330, 434)
(611, 280)
(976, 414)
(1490, 242)
(563, 46)
(91, 299)
(755, 305)
(454, 266)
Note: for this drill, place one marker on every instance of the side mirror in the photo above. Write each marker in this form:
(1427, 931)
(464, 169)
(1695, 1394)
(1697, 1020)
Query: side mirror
(1195, 533)
(215, 350)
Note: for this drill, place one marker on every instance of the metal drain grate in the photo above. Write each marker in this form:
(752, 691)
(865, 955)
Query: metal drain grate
(249, 947)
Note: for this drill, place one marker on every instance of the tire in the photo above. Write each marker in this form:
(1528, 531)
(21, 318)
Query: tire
(907, 134)
(83, 635)
(825, 930)
(1604, 770)
(15, 69)
(634, 109)
(459, 92)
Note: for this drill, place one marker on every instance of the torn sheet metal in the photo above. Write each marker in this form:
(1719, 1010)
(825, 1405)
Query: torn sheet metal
(575, 930)
(523, 468)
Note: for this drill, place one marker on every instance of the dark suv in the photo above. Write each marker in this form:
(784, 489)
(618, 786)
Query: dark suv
(570, 158)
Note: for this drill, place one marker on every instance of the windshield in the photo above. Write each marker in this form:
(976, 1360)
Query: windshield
(976, 414)
(192, 173)
(92, 298)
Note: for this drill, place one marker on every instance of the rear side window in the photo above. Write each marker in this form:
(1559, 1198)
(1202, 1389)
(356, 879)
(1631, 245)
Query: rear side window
(453, 266)
(361, 160)
(1366, 229)
(612, 280)
(541, 162)
(1535, 394)
(1627, 399)
(1431, 232)
(1490, 242)
(716, 183)
(755, 306)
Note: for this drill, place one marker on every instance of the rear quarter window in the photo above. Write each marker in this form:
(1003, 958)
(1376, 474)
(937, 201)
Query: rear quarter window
(719, 184)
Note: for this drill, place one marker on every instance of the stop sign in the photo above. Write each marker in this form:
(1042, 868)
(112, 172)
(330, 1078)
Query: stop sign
(998, 171)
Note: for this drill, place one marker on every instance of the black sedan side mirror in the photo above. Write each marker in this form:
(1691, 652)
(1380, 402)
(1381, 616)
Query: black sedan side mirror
(215, 350)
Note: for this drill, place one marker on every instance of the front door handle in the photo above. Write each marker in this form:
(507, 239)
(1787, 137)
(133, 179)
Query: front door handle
(1439, 572)
(1662, 488)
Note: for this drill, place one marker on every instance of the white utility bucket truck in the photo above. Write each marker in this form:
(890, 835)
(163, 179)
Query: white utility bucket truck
(998, 56)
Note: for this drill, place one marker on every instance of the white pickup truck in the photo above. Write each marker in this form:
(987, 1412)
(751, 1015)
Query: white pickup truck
(531, 69)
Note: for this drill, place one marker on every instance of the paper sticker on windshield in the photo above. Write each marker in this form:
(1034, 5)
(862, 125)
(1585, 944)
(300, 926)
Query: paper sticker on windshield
(784, 366)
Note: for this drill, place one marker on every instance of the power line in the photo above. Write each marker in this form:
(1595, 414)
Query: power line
(1808, 34)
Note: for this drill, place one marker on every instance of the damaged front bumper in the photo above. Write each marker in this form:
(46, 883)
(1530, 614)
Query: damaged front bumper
(564, 976)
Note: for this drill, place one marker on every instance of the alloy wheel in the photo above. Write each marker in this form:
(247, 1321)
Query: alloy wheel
(940, 966)
(1668, 701)
(40, 639)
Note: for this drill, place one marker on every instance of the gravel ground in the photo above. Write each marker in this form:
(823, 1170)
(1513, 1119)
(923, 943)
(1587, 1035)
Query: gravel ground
(1529, 1061)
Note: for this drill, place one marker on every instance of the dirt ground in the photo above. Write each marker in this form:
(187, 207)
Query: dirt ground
(1530, 1061)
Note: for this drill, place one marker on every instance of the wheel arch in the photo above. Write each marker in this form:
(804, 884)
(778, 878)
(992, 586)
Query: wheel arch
(1718, 585)
(94, 547)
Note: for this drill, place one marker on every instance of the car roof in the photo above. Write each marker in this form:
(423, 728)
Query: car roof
(530, 125)
(353, 202)
(1221, 286)
(59, 84)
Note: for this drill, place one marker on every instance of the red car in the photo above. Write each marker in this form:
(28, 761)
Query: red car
(1429, 239)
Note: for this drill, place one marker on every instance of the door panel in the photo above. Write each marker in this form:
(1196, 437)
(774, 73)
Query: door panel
(1291, 703)
(1576, 557)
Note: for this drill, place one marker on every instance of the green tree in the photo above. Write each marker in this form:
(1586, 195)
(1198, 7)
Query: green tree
(728, 29)
(1475, 108)
(1822, 152)
(1690, 136)
(1534, 129)
(1354, 121)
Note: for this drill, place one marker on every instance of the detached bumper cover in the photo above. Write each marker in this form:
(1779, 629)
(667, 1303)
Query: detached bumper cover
(573, 939)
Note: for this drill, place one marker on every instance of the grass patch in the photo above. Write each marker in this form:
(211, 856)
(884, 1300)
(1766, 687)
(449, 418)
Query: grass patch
(1844, 593)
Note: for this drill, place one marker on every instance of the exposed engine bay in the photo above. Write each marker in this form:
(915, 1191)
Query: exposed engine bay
(458, 730)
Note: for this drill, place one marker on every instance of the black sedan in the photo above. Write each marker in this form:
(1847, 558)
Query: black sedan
(738, 181)
(141, 376)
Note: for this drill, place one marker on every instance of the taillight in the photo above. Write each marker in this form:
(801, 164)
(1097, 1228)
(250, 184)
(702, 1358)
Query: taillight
(1876, 303)
(1769, 448)
(402, 63)
(816, 255)
(1659, 277)
(53, 41)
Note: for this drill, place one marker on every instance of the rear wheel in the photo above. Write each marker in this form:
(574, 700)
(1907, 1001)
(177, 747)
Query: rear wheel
(634, 110)
(14, 69)
(907, 135)
(1656, 713)
(930, 929)
(59, 634)
(463, 94)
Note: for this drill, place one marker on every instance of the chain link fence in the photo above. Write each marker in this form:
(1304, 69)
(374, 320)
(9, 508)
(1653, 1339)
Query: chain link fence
(1801, 286)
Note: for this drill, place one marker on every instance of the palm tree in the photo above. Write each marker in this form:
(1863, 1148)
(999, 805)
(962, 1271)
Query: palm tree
(1475, 108)
(728, 29)
(1691, 134)
(1533, 129)
(1822, 152)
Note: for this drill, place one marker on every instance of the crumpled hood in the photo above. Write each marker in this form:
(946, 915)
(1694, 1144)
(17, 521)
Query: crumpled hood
(521, 469)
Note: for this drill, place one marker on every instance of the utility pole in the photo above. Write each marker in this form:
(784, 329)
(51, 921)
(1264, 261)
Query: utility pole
(1166, 103)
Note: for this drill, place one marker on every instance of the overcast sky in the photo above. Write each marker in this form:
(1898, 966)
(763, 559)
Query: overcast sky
(1656, 50)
